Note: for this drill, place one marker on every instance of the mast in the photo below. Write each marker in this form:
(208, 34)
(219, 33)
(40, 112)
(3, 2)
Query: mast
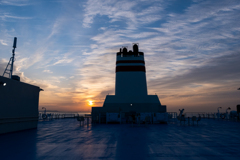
(11, 61)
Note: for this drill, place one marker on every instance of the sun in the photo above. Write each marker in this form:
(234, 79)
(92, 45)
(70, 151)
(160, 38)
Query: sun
(90, 103)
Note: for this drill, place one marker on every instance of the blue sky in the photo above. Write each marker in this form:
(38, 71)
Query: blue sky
(68, 48)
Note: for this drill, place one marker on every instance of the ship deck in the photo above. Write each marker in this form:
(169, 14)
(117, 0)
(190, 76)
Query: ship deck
(66, 139)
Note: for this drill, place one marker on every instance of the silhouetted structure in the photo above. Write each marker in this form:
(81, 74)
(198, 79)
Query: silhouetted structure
(131, 95)
(19, 101)
(8, 70)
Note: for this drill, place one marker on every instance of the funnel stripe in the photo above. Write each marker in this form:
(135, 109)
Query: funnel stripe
(130, 61)
(130, 68)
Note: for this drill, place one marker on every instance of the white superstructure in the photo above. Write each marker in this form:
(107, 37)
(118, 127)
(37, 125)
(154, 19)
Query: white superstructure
(130, 73)
(131, 94)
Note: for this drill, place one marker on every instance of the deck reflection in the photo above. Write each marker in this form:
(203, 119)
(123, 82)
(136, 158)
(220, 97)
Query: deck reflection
(65, 139)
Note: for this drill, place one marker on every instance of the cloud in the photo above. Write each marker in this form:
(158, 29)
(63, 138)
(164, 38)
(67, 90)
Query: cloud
(15, 2)
(76, 92)
(129, 12)
(3, 42)
(6, 16)
(201, 88)
(63, 60)
(3, 65)
(219, 71)
(27, 62)
(47, 71)
(56, 26)
(23, 78)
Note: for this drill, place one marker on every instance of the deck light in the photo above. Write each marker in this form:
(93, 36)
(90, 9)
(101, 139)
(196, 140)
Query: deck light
(3, 83)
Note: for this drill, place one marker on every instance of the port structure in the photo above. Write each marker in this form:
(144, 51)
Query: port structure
(9, 69)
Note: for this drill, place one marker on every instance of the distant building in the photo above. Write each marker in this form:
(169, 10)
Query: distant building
(131, 96)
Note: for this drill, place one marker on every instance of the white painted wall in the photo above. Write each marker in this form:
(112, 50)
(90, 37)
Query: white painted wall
(131, 84)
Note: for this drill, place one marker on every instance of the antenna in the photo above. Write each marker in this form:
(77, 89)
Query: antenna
(11, 61)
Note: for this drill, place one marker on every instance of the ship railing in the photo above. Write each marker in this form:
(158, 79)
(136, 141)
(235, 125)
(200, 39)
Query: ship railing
(196, 114)
(134, 117)
(210, 115)
(50, 116)
(172, 116)
(84, 119)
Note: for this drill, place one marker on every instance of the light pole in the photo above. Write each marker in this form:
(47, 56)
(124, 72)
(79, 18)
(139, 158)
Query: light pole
(44, 115)
(238, 108)
(45, 110)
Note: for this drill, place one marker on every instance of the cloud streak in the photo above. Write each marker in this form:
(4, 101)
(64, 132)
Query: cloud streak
(18, 3)
(125, 11)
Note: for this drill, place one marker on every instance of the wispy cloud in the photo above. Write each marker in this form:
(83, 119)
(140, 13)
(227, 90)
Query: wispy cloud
(15, 2)
(127, 12)
(47, 71)
(56, 27)
(3, 42)
(64, 59)
(7, 16)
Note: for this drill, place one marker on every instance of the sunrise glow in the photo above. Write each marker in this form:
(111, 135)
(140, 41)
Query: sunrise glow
(90, 103)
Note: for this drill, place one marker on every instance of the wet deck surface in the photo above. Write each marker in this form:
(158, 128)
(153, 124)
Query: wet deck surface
(65, 139)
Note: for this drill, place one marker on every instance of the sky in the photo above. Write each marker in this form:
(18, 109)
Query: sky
(68, 48)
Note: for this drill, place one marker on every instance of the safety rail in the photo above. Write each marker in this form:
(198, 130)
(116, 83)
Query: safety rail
(50, 116)
(213, 115)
